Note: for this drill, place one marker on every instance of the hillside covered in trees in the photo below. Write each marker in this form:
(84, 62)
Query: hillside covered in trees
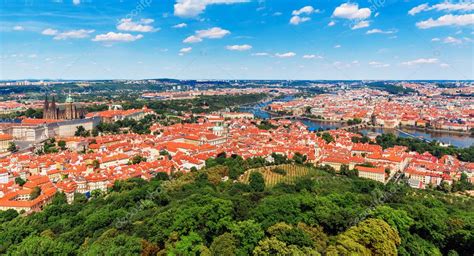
(199, 213)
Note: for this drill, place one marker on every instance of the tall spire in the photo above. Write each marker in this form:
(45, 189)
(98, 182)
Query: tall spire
(45, 106)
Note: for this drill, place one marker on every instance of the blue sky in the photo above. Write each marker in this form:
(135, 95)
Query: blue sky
(236, 39)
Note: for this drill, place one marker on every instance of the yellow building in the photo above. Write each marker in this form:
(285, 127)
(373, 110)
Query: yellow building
(5, 140)
(373, 173)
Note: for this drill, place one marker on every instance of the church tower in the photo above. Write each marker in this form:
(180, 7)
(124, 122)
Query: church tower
(45, 107)
(53, 110)
(69, 108)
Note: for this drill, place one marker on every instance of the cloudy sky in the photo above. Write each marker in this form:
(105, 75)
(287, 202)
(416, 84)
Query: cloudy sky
(236, 39)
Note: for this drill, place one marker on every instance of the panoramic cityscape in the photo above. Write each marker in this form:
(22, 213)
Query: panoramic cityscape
(236, 127)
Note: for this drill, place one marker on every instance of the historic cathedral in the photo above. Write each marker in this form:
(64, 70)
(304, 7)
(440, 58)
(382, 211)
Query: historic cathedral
(67, 111)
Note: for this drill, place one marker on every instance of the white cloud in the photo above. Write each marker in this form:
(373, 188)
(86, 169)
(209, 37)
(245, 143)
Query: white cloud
(285, 55)
(76, 2)
(185, 50)
(243, 47)
(32, 56)
(351, 11)
(435, 39)
(447, 6)
(295, 20)
(452, 40)
(447, 20)
(277, 13)
(467, 39)
(418, 9)
(331, 23)
(147, 21)
(18, 28)
(379, 31)
(337, 46)
(312, 56)
(212, 33)
(260, 54)
(361, 24)
(377, 64)
(76, 34)
(192, 8)
(444, 65)
(305, 10)
(116, 37)
(49, 32)
(136, 26)
(420, 61)
(192, 39)
(180, 25)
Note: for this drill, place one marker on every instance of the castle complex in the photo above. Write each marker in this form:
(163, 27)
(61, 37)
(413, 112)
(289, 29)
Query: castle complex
(67, 111)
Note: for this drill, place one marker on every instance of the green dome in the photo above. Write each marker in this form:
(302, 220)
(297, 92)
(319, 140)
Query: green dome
(69, 99)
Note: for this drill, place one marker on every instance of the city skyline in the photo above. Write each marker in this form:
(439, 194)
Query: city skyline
(237, 39)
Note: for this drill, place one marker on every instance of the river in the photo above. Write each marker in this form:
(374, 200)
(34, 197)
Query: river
(457, 140)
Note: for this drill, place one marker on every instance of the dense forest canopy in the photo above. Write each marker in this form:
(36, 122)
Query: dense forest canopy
(320, 213)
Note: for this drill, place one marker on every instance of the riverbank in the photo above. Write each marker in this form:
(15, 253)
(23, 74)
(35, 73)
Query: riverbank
(436, 130)
(441, 131)
(461, 140)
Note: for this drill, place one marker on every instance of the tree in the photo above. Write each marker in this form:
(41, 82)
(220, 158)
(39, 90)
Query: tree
(188, 245)
(20, 181)
(463, 184)
(81, 131)
(8, 215)
(398, 219)
(59, 198)
(273, 246)
(327, 137)
(34, 113)
(370, 237)
(290, 235)
(210, 216)
(149, 249)
(162, 176)
(96, 193)
(299, 158)
(317, 235)
(62, 144)
(137, 159)
(344, 169)
(42, 245)
(415, 245)
(111, 242)
(225, 244)
(12, 147)
(95, 164)
(256, 182)
(444, 186)
(35, 193)
(247, 233)
(279, 159)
